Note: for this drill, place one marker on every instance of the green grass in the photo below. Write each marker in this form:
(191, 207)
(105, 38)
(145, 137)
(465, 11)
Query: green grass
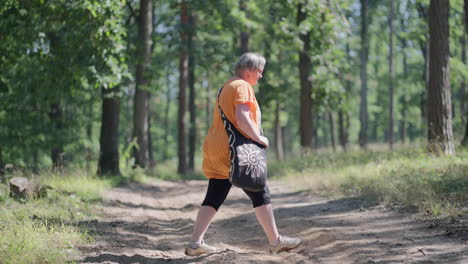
(48, 230)
(409, 177)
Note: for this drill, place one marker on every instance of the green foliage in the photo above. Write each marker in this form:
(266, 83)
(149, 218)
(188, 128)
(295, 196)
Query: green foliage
(62, 54)
(54, 56)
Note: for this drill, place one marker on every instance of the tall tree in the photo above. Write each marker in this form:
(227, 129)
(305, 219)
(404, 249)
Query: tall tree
(343, 114)
(440, 135)
(463, 83)
(244, 35)
(167, 109)
(391, 77)
(56, 117)
(424, 45)
(363, 115)
(278, 132)
(403, 98)
(305, 69)
(152, 161)
(56, 114)
(141, 103)
(183, 79)
(465, 138)
(109, 139)
(192, 95)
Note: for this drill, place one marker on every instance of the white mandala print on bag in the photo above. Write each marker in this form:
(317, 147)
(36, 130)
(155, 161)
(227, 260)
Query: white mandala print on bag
(250, 156)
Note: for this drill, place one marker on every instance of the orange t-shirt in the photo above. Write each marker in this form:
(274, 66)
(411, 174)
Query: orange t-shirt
(216, 156)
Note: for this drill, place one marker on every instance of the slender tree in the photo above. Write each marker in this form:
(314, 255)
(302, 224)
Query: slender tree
(403, 99)
(424, 45)
(278, 132)
(89, 135)
(192, 95)
(343, 128)
(465, 138)
(167, 109)
(109, 139)
(343, 115)
(463, 83)
(152, 161)
(363, 115)
(440, 135)
(141, 105)
(183, 79)
(2, 165)
(391, 77)
(56, 117)
(209, 106)
(332, 129)
(305, 69)
(244, 35)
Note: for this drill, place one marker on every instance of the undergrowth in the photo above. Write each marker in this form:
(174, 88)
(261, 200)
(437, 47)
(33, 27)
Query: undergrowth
(411, 178)
(49, 230)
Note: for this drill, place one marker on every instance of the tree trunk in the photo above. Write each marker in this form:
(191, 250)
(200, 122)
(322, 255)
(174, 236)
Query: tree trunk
(305, 69)
(341, 130)
(278, 133)
(363, 115)
(315, 132)
(343, 116)
(166, 118)
(2, 165)
(465, 138)
(440, 135)
(332, 130)
(192, 94)
(424, 46)
(140, 119)
(209, 106)
(390, 66)
(152, 161)
(244, 35)
(404, 101)
(109, 138)
(183, 79)
(89, 135)
(56, 116)
(35, 162)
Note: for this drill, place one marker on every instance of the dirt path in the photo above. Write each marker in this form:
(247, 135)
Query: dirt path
(150, 223)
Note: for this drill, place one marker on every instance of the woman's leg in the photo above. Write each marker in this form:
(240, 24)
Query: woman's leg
(266, 218)
(217, 192)
(204, 217)
(264, 213)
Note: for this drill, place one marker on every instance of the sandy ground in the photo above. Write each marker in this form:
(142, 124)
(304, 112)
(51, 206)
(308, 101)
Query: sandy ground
(150, 223)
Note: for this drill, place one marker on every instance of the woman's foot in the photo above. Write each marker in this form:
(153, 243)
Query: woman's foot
(197, 249)
(284, 243)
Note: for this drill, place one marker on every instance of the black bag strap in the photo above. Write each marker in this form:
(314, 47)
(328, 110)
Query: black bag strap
(221, 113)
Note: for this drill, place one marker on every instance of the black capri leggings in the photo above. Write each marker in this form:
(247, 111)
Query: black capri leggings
(218, 190)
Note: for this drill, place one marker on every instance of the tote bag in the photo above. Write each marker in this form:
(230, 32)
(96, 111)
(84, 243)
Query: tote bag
(248, 158)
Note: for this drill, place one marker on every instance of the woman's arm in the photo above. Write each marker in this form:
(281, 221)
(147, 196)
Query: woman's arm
(247, 125)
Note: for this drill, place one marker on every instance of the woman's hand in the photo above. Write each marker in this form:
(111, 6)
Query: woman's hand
(264, 141)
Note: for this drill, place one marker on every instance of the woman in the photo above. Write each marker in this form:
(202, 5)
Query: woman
(238, 102)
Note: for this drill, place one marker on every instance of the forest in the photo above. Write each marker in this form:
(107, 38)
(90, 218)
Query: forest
(108, 84)
(116, 89)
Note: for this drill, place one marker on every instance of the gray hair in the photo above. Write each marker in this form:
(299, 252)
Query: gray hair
(249, 61)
